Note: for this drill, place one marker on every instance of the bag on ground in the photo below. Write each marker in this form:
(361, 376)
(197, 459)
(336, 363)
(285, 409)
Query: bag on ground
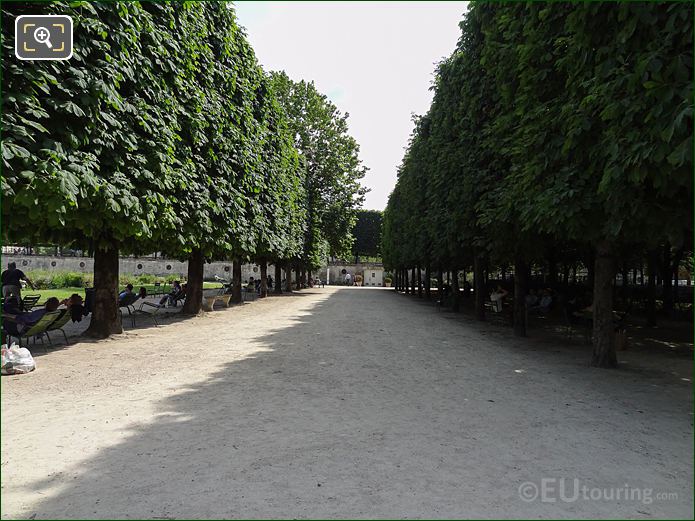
(16, 360)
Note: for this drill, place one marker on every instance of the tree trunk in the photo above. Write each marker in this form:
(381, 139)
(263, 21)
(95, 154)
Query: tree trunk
(520, 290)
(236, 282)
(264, 278)
(106, 317)
(427, 281)
(288, 278)
(666, 278)
(278, 277)
(298, 277)
(676, 266)
(419, 282)
(651, 288)
(604, 333)
(308, 276)
(194, 286)
(455, 291)
(440, 284)
(552, 270)
(479, 286)
(412, 278)
(405, 280)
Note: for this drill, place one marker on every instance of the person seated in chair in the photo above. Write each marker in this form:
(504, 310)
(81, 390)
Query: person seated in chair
(16, 324)
(75, 306)
(171, 296)
(544, 303)
(127, 292)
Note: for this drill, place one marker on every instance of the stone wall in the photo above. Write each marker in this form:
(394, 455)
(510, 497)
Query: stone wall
(164, 267)
(131, 266)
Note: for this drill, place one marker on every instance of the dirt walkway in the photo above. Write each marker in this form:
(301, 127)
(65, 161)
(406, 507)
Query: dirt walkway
(351, 402)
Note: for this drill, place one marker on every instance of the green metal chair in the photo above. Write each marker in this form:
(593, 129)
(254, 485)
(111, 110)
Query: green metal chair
(40, 327)
(59, 324)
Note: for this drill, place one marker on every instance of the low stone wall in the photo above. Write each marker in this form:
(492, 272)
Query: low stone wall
(131, 266)
(164, 267)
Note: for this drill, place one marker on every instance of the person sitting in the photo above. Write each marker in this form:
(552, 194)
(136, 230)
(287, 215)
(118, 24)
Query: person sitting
(127, 292)
(544, 303)
(172, 296)
(75, 305)
(251, 285)
(16, 324)
(531, 299)
(497, 298)
(142, 294)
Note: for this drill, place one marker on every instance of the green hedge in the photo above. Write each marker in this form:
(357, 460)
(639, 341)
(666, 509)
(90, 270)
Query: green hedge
(44, 279)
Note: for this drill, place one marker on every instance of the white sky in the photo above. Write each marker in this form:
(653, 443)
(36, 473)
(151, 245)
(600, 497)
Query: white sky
(374, 60)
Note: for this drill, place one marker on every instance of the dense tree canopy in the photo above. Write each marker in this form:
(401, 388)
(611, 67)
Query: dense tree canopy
(557, 133)
(162, 133)
(367, 233)
(333, 168)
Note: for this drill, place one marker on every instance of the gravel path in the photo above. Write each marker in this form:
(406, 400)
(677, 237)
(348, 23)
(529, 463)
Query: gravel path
(342, 402)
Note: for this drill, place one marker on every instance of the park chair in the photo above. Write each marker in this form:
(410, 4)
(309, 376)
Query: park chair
(29, 301)
(59, 324)
(37, 329)
(146, 309)
(128, 302)
(180, 296)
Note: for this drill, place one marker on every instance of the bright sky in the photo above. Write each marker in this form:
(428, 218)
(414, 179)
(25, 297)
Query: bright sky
(374, 60)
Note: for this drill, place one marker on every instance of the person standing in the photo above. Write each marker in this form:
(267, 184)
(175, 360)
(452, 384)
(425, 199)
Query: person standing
(11, 281)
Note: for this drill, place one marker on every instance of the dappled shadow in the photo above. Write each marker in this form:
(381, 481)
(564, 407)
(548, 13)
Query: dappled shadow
(368, 406)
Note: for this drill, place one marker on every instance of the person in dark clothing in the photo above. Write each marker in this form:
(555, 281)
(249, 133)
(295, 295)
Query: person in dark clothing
(75, 306)
(11, 281)
(15, 324)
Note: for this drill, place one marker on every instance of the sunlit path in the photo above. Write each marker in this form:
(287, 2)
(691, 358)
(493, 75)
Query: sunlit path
(336, 402)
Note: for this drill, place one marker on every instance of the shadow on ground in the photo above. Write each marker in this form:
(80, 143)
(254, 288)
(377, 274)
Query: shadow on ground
(319, 420)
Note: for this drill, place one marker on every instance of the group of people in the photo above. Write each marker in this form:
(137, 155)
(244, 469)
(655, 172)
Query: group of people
(16, 320)
(255, 284)
(178, 292)
(536, 301)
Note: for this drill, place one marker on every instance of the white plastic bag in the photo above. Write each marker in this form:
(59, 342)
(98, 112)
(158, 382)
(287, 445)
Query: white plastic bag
(16, 360)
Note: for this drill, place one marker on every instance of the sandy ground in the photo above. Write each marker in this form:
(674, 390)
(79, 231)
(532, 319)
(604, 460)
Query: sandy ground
(343, 402)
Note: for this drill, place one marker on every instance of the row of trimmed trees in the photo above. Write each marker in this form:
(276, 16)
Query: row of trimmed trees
(162, 133)
(558, 134)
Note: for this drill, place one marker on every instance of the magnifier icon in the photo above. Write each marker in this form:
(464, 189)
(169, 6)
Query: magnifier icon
(42, 35)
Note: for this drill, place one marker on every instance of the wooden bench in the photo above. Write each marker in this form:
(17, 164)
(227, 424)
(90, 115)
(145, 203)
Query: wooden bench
(209, 302)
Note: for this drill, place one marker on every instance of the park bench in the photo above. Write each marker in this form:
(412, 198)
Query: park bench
(209, 302)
